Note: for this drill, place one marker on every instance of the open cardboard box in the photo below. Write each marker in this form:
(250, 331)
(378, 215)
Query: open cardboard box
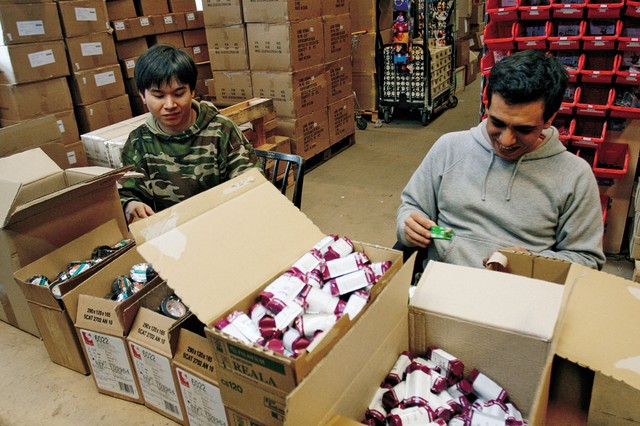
(55, 316)
(102, 325)
(43, 207)
(216, 279)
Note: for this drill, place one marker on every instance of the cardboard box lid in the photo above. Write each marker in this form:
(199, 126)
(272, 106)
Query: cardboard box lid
(216, 248)
(503, 301)
(601, 327)
(16, 213)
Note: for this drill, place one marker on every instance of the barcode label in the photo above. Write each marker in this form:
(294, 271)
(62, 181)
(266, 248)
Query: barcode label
(171, 407)
(127, 388)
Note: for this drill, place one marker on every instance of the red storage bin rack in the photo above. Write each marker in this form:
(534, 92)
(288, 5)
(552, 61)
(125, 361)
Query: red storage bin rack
(534, 9)
(490, 59)
(604, 8)
(626, 103)
(532, 34)
(589, 132)
(611, 160)
(629, 38)
(573, 9)
(595, 100)
(573, 61)
(599, 66)
(601, 34)
(565, 125)
(570, 99)
(502, 10)
(632, 8)
(566, 34)
(500, 35)
(628, 71)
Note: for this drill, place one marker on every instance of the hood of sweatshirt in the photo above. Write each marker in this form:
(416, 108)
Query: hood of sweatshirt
(206, 112)
(550, 147)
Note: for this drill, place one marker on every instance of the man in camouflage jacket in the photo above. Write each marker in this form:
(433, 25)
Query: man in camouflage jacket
(185, 146)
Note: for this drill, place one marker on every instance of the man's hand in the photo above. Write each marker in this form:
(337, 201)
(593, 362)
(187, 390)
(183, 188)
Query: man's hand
(416, 229)
(135, 210)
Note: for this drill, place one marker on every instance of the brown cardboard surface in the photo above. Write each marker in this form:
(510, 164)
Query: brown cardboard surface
(182, 5)
(335, 7)
(337, 37)
(366, 90)
(613, 402)
(96, 84)
(173, 38)
(232, 87)
(195, 19)
(280, 10)
(194, 37)
(81, 17)
(365, 17)
(294, 94)
(24, 101)
(174, 22)
(91, 51)
(228, 48)
(28, 24)
(220, 14)
(365, 51)
(120, 9)
(131, 48)
(309, 134)
(341, 119)
(25, 63)
(288, 46)
(151, 7)
(339, 80)
(103, 113)
(29, 134)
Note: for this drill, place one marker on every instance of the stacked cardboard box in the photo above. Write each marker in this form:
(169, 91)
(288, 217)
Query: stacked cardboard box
(96, 81)
(33, 64)
(139, 24)
(468, 37)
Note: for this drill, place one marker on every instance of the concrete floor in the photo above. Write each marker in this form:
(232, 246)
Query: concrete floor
(355, 193)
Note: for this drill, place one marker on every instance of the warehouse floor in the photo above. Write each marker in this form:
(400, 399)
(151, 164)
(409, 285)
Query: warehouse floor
(355, 193)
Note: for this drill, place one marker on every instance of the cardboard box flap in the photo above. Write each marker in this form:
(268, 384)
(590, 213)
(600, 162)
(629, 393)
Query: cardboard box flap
(237, 235)
(601, 326)
(504, 301)
(535, 266)
(39, 131)
(14, 176)
(62, 197)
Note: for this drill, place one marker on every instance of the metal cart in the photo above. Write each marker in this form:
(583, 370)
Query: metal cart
(412, 85)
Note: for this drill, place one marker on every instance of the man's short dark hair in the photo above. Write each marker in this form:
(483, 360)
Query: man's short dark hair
(529, 76)
(163, 63)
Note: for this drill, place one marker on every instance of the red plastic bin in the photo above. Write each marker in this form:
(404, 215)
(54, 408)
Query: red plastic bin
(604, 8)
(565, 125)
(500, 35)
(534, 9)
(601, 34)
(595, 100)
(566, 34)
(573, 61)
(573, 9)
(625, 102)
(570, 99)
(605, 203)
(532, 34)
(632, 9)
(629, 38)
(502, 10)
(490, 59)
(589, 132)
(627, 72)
(599, 67)
(611, 160)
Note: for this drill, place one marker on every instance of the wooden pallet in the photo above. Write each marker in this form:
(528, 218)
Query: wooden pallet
(260, 113)
(329, 153)
(371, 116)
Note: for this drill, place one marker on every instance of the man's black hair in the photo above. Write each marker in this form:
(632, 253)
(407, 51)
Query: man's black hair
(163, 63)
(529, 76)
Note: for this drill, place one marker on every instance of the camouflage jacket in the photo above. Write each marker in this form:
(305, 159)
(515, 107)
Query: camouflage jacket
(176, 167)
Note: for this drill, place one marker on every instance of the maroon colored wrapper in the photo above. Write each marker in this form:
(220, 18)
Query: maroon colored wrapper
(275, 345)
(294, 342)
(339, 248)
(351, 282)
(397, 373)
(486, 388)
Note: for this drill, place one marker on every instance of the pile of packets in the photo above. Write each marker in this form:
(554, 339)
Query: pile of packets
(77, 267)
(126, 285)
(433, 391)
(327, 282)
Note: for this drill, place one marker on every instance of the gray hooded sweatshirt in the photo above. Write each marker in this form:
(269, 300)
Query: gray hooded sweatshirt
(547, 201)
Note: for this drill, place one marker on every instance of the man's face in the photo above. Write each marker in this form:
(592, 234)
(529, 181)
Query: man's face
(514, 130)
(170, 105)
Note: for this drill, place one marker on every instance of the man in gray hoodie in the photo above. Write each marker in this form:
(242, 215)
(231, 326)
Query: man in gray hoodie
(508, 182)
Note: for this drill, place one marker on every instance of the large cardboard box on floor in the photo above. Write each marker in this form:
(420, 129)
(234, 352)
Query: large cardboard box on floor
(55, 315)
(339, 79)
(227, 212)
(280, 10)
(29, 23)
(309, 134)
(24, 63)
(294, 94)
(103, 324)
(81, 17)
(228, 48)
(44, 208)
(288, 46)
(365, 87)
(341, 119)
(152, 342)
(337, 37)
(193, 369)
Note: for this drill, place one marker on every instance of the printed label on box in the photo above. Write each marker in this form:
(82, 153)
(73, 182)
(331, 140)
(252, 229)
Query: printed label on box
(168, 20)
(130, 63)
(39, 59)
(71, 157)
(202, 400)
(154, 373)
(29, 28)
(86, 14)
(144, 21)
(105, 78)
(191, 16)
(119, 25)
(60, 126)
(109, 363)
(91, 49)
